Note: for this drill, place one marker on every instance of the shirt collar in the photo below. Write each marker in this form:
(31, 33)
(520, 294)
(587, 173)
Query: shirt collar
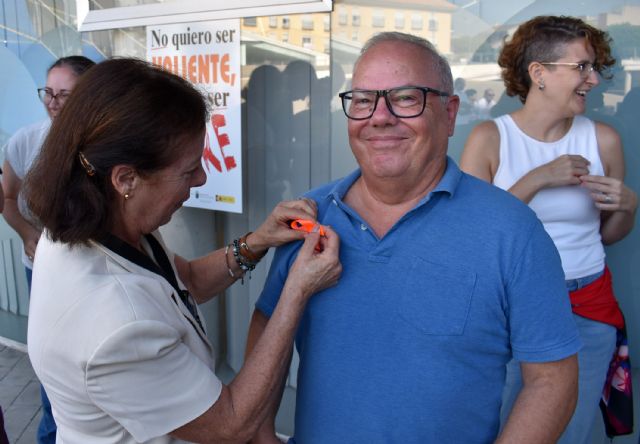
(447, 185)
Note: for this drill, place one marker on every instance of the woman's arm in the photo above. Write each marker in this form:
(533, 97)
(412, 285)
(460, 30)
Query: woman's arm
(481, 154)
(209, 275)
(481, 158)
(27, 232)
(617, 202)
(243, 406)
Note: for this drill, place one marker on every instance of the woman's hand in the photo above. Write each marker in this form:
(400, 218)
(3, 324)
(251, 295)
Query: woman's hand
(610, 194)
(275, 230)
(562, 171)
(313, 270)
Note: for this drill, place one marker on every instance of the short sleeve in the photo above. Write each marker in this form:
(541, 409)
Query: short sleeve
(12, 152)
(23, 147)
(148, 380)
(541, 322)
(278, 272)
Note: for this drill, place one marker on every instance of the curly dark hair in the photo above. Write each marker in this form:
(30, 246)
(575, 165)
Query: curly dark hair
(122, 111)
(542, 39)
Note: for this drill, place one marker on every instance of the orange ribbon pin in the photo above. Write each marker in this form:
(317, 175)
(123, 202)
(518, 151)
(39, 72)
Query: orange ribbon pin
(308, 226)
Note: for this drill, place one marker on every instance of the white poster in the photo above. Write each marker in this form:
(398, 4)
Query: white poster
(208, 55)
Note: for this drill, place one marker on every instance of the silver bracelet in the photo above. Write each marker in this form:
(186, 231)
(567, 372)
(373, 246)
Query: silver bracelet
(226, 260)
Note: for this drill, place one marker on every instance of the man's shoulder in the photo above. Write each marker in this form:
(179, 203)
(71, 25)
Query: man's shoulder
(491, 201)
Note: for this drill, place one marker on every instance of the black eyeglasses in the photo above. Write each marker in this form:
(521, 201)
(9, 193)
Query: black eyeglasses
(404, 102)
(585, 68)
(47, 95)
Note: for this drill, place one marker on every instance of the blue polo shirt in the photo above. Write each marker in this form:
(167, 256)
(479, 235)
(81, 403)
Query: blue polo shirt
(411, 345)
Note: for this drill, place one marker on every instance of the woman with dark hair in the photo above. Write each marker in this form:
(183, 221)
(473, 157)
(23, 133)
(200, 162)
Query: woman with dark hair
(21, 150)
(570, 171)
(115, 334)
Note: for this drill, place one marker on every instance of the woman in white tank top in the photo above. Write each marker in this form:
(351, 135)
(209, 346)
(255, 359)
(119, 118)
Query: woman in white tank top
(570, 171)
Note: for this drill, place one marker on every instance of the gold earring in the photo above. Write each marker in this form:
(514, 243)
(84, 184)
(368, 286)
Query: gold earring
(126, 196)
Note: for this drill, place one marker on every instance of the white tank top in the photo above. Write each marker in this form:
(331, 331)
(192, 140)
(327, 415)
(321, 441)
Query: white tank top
(567, 213)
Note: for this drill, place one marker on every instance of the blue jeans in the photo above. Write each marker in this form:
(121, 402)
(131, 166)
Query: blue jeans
(47, 427)
(599, 341)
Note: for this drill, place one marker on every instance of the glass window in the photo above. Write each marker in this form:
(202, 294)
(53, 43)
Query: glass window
(355, 18)
(343, 17)
(416, 22)
(307, 22)
(294, 131)
(377, 19)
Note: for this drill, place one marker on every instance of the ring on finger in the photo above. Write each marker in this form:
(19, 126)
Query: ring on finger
(607, 198)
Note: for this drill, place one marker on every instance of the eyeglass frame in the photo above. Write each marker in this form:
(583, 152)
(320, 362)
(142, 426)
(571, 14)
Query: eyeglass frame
(581, 67)
(43, 92)
(384, 93)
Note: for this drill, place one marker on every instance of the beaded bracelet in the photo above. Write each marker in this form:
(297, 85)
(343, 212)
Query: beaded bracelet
(244, 264)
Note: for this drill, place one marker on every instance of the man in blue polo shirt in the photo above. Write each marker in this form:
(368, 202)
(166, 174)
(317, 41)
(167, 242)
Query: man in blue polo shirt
(445, 279)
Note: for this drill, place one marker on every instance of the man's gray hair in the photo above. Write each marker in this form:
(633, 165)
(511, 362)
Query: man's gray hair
(441, 64)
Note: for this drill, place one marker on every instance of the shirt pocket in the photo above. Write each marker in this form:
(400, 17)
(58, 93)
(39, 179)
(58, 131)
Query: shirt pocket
(436, 299)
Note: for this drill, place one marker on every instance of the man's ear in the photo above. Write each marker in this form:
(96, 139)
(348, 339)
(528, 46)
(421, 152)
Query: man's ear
(453, 104)
(124, 179)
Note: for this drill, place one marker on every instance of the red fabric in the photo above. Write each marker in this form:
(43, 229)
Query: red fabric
(597, 302)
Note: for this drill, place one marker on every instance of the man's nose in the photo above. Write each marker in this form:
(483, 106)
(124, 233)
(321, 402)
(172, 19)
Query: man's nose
(382, 113)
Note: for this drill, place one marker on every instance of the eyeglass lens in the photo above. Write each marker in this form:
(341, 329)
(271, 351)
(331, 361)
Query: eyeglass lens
(402, 102)
(46, 95)
(586, 68)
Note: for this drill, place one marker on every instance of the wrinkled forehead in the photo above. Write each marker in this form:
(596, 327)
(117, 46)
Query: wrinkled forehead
(392, 64)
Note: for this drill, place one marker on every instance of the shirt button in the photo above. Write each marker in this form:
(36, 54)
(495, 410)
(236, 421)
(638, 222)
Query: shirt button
(363, 227)
(334, 202)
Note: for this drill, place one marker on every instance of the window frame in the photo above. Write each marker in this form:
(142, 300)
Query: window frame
(188, 11)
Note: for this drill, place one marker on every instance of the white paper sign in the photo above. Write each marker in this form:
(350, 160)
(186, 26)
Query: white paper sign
(208, 55)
